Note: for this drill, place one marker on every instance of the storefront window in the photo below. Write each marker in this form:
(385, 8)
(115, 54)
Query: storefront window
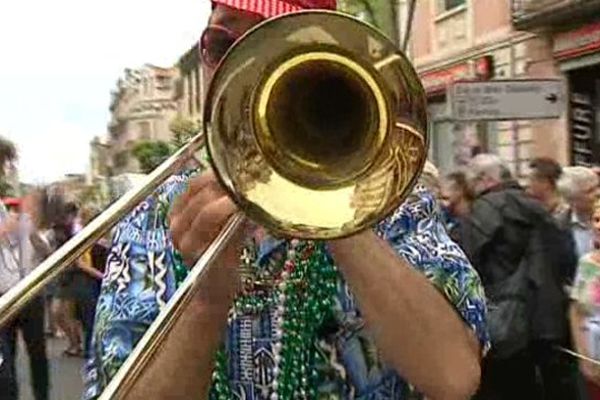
(454, 143)
(441, 151)
(584, 112)
(446, 5)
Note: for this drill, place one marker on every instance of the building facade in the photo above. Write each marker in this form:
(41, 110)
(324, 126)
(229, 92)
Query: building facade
(571, 28)
(476, 40)
(142, 107)
(191, 86)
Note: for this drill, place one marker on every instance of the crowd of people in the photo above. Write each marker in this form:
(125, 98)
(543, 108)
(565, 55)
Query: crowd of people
(31, 228)
(535, 248)
(534, 245)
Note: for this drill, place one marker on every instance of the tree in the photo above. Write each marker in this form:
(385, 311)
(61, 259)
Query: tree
(379, 13)
(6, 189)
(8, 155)
(183, 129)
(150, 154)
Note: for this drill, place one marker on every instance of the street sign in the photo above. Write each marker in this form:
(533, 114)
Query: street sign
(507, 100)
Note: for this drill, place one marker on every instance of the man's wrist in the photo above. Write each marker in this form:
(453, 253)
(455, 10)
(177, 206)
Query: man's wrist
(351, 251)
(218, 286)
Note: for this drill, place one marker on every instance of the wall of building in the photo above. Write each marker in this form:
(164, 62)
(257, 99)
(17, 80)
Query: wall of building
(450, 45)
(144, 104)
(191, 84)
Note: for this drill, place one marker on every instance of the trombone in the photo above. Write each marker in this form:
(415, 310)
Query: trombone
(317, 134)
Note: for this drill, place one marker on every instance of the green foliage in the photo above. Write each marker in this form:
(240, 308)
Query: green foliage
(379, 13)
(6, 189)
(150, 154)
(120, 159)
(92, 196)
(183, 130)
(8, 153)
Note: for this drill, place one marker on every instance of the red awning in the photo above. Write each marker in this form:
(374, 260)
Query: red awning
(11, 201)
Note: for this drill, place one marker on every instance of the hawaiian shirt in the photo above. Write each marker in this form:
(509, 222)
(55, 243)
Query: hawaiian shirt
(586, 292)
(586, 286)
(143, 271)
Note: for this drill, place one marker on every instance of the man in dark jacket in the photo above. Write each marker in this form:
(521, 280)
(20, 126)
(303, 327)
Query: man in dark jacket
(523, 258)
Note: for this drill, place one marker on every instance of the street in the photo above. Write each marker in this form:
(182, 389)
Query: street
(65, 373)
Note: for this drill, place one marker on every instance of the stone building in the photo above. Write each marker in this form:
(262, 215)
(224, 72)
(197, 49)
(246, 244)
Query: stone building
(142, 107)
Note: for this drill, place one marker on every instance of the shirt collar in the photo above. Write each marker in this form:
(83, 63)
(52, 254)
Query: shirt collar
(577, 222)
(267, 246)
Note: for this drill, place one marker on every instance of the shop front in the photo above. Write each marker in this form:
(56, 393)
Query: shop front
(578, 54)
(453, 143)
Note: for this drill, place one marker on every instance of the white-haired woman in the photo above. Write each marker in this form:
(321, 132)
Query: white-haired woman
(585, 309)
(579, 186)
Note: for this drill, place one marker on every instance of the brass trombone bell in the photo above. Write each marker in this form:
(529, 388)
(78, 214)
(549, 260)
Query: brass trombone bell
(316, 125)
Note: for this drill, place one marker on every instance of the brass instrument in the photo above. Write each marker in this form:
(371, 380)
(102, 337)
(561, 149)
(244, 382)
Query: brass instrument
(316, 127)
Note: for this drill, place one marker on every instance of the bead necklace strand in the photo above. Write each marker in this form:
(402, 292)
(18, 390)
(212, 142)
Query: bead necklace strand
(301, 299)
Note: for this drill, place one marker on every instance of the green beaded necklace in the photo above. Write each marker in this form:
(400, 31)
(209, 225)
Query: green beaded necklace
(302, 299)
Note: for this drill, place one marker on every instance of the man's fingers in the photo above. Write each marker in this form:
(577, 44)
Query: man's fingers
(181, 222)
(195, 184)
(205, 227)
(206, 195)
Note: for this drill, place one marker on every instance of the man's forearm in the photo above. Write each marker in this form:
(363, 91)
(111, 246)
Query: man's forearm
(577, 329)
(416, 329)
(182, 368)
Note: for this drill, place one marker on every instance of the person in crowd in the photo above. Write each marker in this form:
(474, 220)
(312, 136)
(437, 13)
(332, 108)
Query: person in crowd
(9, 276)
(585, 310)
(457, 199)
(92, 264)
(24, 249)
(293, 329)
(542, 185)
(430, 178)
(579, 185)
(65, 296)
(521, 255)
(77, 287)
(6, 373)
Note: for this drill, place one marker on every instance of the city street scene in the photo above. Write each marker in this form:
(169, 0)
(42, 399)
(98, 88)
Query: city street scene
(300, 199)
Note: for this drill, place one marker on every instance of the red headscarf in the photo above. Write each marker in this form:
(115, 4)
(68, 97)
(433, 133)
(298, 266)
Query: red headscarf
(272, 8)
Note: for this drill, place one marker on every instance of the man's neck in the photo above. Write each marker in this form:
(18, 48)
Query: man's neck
(552, 202)
(462, 208)
(583, 216)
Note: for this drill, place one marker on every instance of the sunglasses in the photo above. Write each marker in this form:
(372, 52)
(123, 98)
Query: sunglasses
(214, 43)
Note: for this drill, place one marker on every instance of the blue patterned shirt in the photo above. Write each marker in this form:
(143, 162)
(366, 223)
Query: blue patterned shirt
(143, 271)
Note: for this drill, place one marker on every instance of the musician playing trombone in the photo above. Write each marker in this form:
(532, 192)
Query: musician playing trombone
(396, 312)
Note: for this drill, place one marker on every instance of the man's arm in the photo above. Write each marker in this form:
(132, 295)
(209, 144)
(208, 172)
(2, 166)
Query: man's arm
(415, 326)
(85, 264)
(182, 368)
(578, 332)
(41, 246)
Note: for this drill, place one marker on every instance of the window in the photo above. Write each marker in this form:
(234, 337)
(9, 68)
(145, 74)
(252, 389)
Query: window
(446, 5)
(198, 89)
(121, 159)
(190, 94)
(145, 130)
(147, 87)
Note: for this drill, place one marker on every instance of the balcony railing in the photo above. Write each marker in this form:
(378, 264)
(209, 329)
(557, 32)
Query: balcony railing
(538, 14)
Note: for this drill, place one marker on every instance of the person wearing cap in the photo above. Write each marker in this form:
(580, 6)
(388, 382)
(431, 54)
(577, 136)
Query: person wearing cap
(393, 313)
(22, 247)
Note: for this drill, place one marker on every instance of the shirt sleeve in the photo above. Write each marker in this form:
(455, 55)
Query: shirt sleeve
(142, 273)
(586, 285)
(417, 233)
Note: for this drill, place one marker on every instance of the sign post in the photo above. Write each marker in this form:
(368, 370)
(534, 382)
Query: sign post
(502, 100)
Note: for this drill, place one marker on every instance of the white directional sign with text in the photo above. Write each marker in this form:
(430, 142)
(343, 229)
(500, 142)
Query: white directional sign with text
(507, 100)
